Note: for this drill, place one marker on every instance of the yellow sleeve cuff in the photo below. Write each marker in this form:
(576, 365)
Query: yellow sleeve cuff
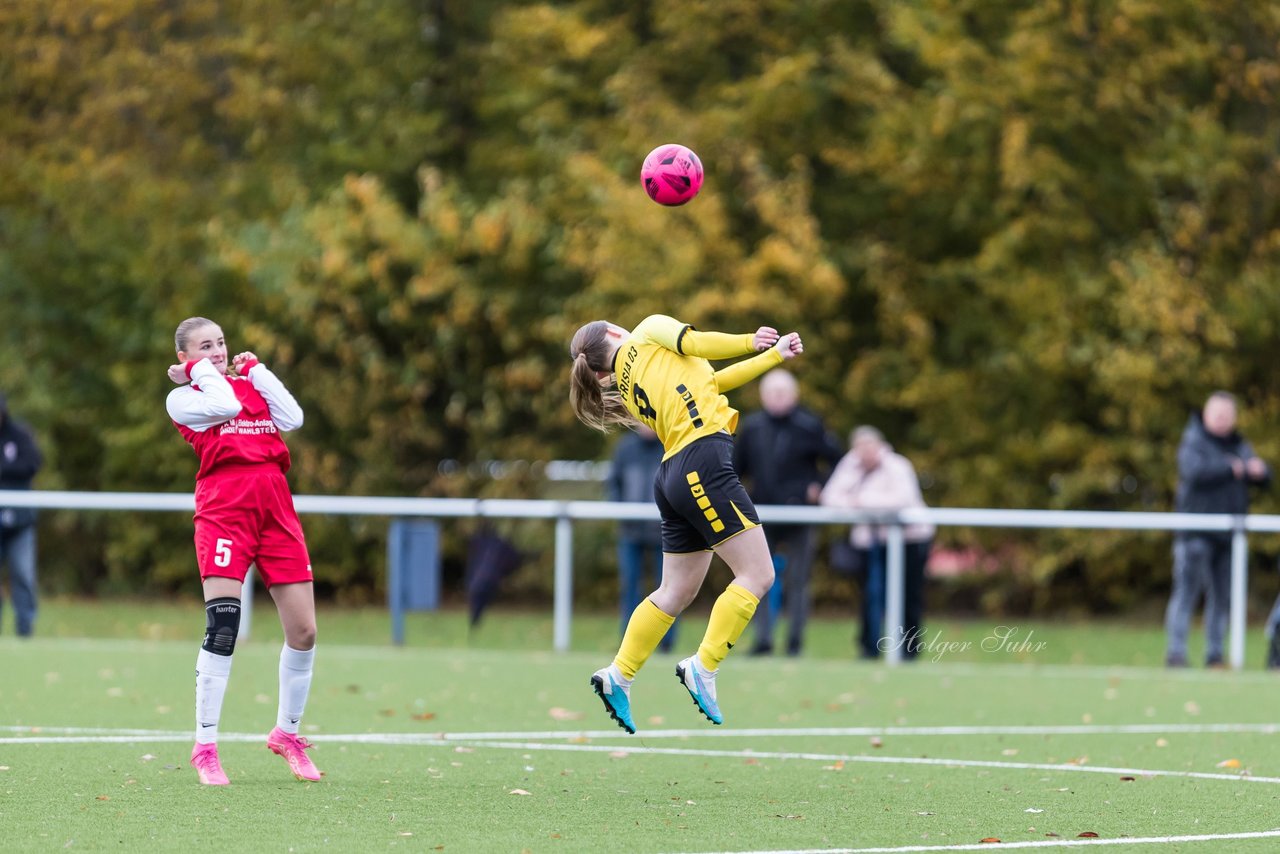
(745, 371)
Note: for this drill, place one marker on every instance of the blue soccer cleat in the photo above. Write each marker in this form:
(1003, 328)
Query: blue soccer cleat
(616, 696)
(701, 686)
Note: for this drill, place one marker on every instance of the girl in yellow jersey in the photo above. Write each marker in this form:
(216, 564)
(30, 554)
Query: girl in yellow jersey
(658, 374)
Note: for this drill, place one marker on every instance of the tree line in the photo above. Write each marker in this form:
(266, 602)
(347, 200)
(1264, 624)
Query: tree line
(1022, 237)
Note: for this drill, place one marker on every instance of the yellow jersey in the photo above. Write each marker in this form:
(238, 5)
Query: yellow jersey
(666, 382)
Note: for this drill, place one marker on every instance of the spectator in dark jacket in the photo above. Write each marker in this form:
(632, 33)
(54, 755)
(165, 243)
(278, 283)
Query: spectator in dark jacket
(19, 461)
(784, 455)
(1216, 467)
(635, 462)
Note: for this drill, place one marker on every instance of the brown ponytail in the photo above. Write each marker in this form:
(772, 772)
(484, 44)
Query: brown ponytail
(596, 404)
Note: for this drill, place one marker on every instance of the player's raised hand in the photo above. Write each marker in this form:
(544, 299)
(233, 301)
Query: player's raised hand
(178, 373)
(766, 337)
(790, 345)
(243, 362)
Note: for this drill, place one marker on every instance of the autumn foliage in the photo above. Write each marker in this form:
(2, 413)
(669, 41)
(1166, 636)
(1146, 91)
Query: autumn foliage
(1022, 238)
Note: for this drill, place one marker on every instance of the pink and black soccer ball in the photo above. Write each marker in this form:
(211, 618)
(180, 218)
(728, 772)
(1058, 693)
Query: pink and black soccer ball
(671, 175)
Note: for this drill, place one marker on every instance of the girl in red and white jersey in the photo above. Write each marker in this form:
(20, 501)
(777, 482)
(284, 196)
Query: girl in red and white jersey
(244, 514)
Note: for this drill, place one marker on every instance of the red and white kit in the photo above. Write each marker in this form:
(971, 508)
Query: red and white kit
(244, 510)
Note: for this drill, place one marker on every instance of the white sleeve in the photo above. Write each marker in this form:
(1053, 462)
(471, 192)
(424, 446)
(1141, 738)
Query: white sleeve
(285, 411)
(213, 403)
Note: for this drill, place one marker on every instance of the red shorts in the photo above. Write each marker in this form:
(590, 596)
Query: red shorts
(245, 515)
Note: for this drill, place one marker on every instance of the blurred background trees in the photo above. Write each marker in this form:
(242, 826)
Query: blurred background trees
(1022, 237)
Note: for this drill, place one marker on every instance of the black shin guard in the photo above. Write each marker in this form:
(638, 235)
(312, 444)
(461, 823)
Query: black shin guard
(221, 625)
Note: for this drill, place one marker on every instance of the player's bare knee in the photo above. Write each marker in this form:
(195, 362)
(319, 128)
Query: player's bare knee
(221, 625)
(302, 638)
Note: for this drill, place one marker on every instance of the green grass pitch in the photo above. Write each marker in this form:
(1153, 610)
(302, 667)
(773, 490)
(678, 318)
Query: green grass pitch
(445, 745)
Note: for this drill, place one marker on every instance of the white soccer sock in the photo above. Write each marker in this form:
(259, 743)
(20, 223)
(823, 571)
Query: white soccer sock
(212, 673)
(618, 677)
(295, 683)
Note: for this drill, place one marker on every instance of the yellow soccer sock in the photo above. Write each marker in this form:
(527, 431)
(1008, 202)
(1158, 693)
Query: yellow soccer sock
(644, 632)
(729, 616)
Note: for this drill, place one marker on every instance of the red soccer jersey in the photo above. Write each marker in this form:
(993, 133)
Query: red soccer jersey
(234, 421)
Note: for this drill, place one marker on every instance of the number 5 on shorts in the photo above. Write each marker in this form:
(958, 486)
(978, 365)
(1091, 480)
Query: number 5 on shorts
(222, 552)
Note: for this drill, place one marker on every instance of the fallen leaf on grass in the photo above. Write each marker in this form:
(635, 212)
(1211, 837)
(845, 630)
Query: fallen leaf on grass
(751, 761)
(464, 750)
(657, 720)
(991, 839)
(1128, 779)
(617, 754)
(387, 713)
(1191, 707)
(1009, 751)
(780, 815)
(103, 798)
(518, 792)
(925, 813)
(406, 833)
(1079, 760)
(1229, 763)
(876, 741)
(147, 757)
(424, 716)
(1088, 834)
(838, 766)
(1162, 742)
(561, 714)
(1032, 809)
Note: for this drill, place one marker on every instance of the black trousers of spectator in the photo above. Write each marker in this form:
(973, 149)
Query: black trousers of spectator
(871, 633)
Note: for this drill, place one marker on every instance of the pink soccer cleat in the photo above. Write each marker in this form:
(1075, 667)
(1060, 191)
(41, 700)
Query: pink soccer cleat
(292, 748)
(204, 758)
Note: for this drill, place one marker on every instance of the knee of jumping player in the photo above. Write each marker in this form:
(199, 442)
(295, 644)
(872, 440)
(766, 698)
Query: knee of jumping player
(221, 625)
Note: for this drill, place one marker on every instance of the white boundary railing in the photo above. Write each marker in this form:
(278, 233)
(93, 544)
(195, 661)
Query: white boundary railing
(565, 513)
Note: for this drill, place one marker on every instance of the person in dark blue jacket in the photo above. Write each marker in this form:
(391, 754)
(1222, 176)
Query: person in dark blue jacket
(19, 461)
(1216, 467)
(635, 462)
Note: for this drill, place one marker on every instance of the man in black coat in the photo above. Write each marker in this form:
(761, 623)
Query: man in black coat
(784, 455)
(1216, 467)
(19, 461)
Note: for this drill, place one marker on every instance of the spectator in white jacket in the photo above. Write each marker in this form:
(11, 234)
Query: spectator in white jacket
(873, 477)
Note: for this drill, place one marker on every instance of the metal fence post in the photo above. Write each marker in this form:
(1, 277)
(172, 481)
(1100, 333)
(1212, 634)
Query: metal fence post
(893, 595)
(246, 605)
(1239, 590)
(564, 583)
(395, 581)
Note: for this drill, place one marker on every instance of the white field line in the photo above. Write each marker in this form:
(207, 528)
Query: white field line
(1039, 843)
(854, 732)
(436, 740)
(723, 732)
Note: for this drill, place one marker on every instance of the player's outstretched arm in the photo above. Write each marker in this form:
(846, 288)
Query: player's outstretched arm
(784, 348)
